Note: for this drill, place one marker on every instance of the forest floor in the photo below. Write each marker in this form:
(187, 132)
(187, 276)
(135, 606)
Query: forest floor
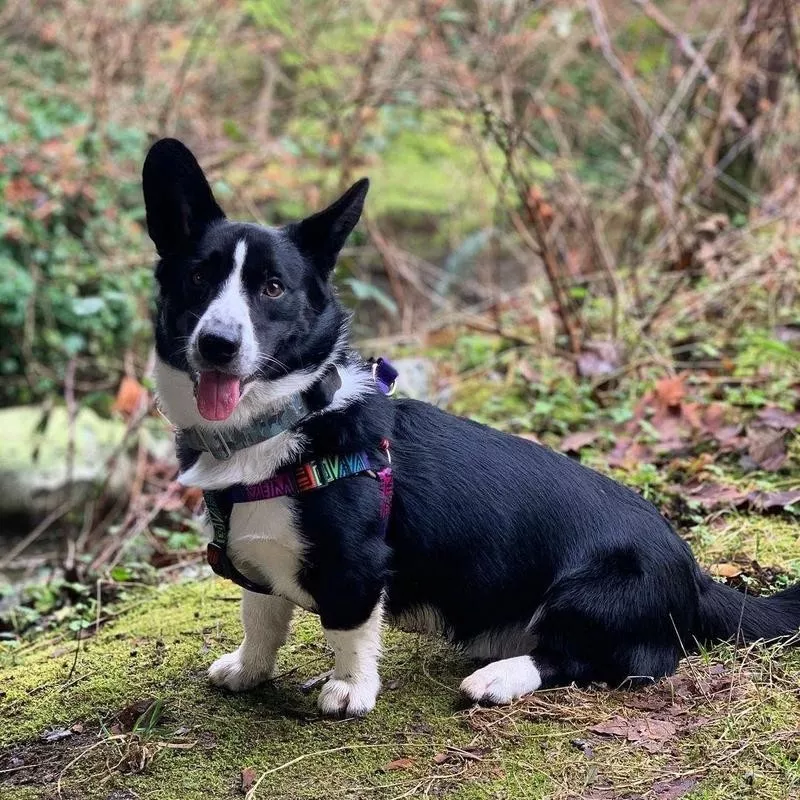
(110, 700)
(127, 712)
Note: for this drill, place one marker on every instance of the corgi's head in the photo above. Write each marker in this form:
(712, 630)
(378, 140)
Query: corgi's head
(246, 314)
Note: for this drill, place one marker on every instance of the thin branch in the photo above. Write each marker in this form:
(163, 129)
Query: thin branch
(681, 39)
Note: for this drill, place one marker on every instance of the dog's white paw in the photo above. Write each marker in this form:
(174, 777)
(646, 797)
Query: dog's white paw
(349, 698)
(233, 673)
(503, 681)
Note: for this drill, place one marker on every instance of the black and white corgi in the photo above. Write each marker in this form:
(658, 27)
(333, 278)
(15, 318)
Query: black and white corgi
(549, 572)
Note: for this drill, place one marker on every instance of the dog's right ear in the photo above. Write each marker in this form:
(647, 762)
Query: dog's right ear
(178, 199)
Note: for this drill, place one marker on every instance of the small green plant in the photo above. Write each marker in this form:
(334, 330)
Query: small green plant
(73, 270)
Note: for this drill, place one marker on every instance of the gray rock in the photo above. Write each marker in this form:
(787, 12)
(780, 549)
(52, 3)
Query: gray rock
(33, 462)
(415, 378)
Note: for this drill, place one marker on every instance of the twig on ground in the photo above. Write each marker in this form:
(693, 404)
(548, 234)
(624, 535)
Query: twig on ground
(44, 525)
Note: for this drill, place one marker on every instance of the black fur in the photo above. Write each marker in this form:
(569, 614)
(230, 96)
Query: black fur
(196, 243)
(490, 530)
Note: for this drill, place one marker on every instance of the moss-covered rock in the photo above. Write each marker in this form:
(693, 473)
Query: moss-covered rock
(34, 458)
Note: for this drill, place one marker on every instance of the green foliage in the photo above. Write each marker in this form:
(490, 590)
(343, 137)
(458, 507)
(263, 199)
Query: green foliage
(73, 265)
(757, 348)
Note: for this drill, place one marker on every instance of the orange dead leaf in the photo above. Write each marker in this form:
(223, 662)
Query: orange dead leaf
(191, 498)
(20, 190)
(443, 337)
(670, 391)
(130, 395)
(725, 570)
(399, 763)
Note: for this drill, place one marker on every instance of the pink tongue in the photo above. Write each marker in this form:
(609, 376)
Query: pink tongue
(217, 395)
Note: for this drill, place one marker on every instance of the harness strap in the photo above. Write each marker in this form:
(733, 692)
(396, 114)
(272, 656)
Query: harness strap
(219, 510)
(290, 482)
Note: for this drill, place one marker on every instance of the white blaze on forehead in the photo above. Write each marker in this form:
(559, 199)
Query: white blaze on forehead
(239, 255)
(230, 305)
(230, 308)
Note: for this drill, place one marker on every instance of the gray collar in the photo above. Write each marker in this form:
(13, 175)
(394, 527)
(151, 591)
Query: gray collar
(223, 444)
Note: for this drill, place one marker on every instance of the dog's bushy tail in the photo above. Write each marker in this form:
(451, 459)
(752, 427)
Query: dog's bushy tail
(727, 614)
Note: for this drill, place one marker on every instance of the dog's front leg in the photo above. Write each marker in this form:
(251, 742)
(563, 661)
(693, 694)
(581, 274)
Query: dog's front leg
(353, 688)
(266, 620)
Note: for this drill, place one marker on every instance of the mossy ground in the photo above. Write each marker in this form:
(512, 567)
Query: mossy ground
(735, 715)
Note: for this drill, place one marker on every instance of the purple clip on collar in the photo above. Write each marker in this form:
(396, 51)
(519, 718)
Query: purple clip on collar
(385, 375)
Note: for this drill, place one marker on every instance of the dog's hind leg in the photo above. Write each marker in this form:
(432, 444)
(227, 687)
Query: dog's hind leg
(503, 681)
(266, 620)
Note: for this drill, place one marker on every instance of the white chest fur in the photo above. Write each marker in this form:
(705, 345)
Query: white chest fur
(266, 545)
(264, 541)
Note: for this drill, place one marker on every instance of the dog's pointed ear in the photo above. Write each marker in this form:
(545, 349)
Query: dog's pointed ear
(178, 199)
(322, 235)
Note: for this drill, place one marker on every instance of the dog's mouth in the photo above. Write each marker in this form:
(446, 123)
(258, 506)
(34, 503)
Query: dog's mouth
(217, 394)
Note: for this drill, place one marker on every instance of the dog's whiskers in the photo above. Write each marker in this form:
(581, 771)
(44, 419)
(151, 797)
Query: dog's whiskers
(264, 359)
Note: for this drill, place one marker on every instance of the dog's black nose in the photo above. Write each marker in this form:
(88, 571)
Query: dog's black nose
(217, 348)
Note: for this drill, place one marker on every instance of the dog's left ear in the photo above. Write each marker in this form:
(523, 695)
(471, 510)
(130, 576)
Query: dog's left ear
(179, 202)
(322, 235)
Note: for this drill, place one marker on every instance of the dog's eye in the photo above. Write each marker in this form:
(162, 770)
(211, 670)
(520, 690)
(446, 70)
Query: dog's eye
(198, 279)
(273, 288)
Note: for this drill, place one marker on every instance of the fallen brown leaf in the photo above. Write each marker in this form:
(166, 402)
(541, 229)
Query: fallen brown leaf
(576, 441)
(648, 732)
(774, 417)
(714, 416)
(599, 358)
(127, 718)
(729, 436)
(248, 779)
(766, 448)
(764, 501)
(674, 788)
(714, 495)
(645, 703)
(629, 455)
(670, 391)
(725, 570)
(399, 763)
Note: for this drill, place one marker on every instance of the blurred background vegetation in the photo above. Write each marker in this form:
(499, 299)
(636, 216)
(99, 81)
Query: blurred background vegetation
(590, 163)
(583, 228)
(585, 215)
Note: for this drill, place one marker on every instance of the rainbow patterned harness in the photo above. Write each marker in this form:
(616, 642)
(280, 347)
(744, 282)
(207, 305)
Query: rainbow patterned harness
(292, 481)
